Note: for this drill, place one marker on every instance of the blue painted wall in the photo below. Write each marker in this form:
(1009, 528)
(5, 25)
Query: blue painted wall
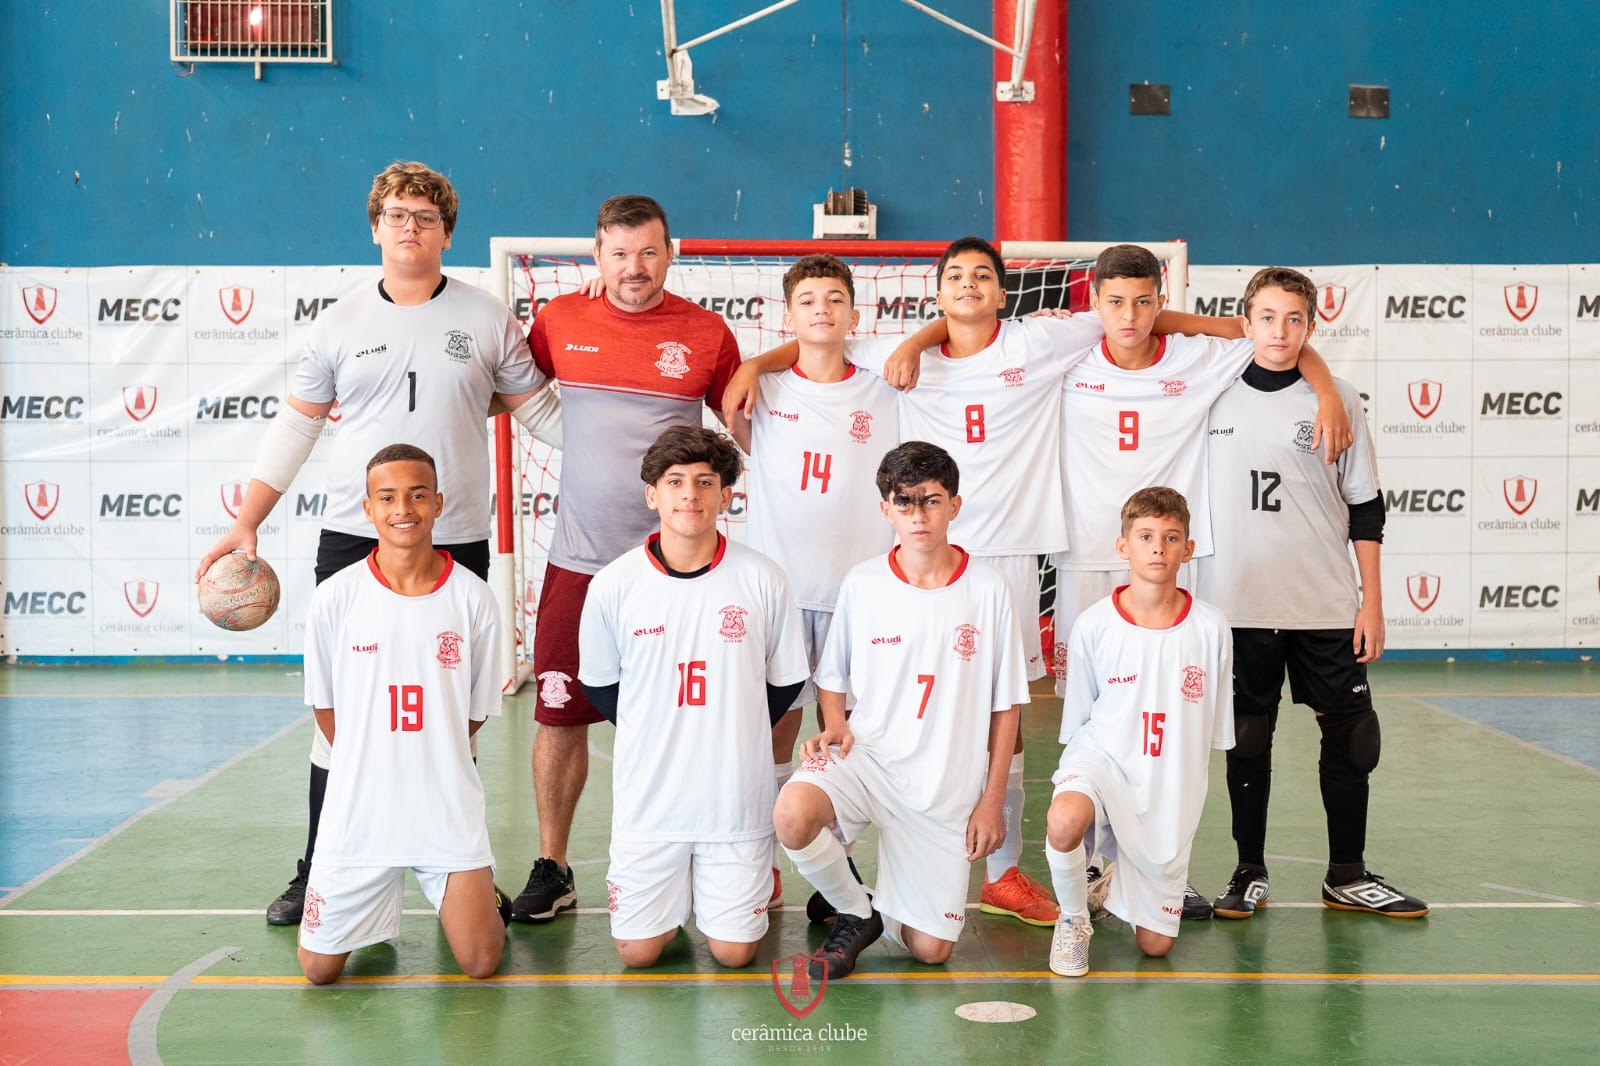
(538, 109)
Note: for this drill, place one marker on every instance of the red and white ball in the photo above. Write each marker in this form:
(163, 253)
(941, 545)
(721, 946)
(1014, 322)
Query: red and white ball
(238, 594)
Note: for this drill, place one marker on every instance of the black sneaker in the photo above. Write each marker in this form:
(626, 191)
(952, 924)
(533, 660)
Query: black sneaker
(848, 938)
(818, 909)
(1372, 894)
(287, 908)
(502, 903)
(549, 892)
(1247, 890)
(1195, 906)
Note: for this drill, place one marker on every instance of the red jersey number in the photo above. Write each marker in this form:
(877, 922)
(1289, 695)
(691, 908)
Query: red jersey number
(405, 708)
(692, 683)
(1128, 431)
(975, 428)
(926, 681)
(815, 466)
(1154, 729)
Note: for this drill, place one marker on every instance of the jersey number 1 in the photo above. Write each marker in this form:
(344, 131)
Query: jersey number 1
(405, 708)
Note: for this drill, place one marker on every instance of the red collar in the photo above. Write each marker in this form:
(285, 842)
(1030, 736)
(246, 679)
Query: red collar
(944, 349)
(1188, 602)
(849, 371)
(961, 567)
(1161, 350)
(444, 575)
(655, 538)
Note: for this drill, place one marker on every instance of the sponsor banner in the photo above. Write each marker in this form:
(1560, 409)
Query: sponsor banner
(1520, 407)
(236, 315)
(44, 411)
(300, 512)
(1423, 409)
(1518, 601)
(1426, 600)
(1583, 311)
(1583, 601)
(44, 512)
(1217, 290)
(216, 492)
(1429, 505)
(139, 510)
(1424, 313)
(1519, 505)
(1363, 374)
(298, 581)
(309, 291)
(1521, 312)
(142, 606)
(1346, 311)
(229, 408)
(1584, 405)
(138, 315)
(46, 609)
(44, 316)
(139, 414)
(1583, 500)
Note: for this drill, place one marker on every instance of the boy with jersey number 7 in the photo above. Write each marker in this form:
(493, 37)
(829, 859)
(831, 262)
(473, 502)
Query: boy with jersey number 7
(926, 639)
(690, 645)
(400, 664)
(1149, 694)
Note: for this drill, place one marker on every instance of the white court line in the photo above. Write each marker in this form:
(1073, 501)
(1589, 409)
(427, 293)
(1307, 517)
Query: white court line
(99, 842)
(598, 754)
(1275, 857)
(1501, 733)
(1541, 895)
(142, 1050)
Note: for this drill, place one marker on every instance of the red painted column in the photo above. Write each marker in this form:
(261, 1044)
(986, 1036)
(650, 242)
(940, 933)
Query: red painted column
(1030, 140)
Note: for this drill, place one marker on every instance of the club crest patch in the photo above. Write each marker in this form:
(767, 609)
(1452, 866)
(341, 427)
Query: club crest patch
(449, 650)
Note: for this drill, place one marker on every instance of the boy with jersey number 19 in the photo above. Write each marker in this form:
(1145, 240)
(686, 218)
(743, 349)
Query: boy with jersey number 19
(1286, 523)
(690, 645)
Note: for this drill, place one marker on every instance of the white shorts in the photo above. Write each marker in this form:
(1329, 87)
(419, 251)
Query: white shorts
(1021, 573)
(322, 751)
(922, 863)
(1143, 896)
(654, 886)
(814, 626)
(350, 907)
(1076, 592)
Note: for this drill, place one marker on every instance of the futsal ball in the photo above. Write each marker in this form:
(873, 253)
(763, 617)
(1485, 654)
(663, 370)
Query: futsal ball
(238, 594)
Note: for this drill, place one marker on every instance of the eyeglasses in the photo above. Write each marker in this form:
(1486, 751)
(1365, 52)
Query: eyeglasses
(399, 216)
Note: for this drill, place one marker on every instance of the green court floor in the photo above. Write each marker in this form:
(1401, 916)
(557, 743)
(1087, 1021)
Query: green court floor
(147, 942)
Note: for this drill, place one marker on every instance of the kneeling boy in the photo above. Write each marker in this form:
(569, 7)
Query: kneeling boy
(400, 659)
(1149, 694)
(690, 644)
(926, 639)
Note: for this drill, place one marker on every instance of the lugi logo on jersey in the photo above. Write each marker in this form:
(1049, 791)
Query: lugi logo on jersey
(449, 649)
(651, 631)
(1331, 305)
(1194, 684)
(799, 999)
(40, 302)
(891, 640)
(365, 649)
(1304, 434)
(42, 498)
(1424, 395)
(732, 629)
(237, 302)
(232, 494)
(1519, 493)
(1173, 388)
(1012, 376)
(458, 346)
(861, 426)
(141, 594)
(139, 401)
(553, 688)
(966, 645)
(674, 360)
(1422, 590)
(1521, 299)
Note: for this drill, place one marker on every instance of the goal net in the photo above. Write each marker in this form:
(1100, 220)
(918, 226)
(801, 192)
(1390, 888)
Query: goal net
(743, 282)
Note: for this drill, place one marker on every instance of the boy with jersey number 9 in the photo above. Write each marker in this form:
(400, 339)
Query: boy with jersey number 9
(1282, 574)
(400, 664)
(928, 641)
(1148, 697)
(690, 645)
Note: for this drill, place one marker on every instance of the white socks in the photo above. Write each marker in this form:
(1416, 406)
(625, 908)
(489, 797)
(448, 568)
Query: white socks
(1009, 854)
(1069, 876)
(824, 864)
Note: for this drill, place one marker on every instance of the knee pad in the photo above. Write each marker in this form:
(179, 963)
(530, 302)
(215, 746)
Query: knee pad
(1350, 742)
(1252, 735)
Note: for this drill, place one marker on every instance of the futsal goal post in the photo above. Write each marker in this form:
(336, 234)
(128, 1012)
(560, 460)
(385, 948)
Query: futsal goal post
(743, 282)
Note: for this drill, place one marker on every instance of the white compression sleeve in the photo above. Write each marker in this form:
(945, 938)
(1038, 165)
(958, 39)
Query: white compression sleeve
(541, 416)
(289, 440)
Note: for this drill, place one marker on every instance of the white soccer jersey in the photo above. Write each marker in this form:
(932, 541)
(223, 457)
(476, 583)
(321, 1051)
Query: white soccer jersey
(928, 668)
(812, 489)
(1282, 514)
(1130, 429)
(419, 375)
(403, 675)
(998, 413)
(693, 656)
(1154, 702)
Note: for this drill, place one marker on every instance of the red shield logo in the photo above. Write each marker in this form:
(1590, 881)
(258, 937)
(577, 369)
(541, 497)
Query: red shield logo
(1519, 492)
(449, 649)
(799, 998)
(1422, 590)
(39, 301)
(1331, 304)
(1521, 299)
(966, 645)
(732, 629)
(236, 301)
(141, 594)
(1194, 684)
(42, 497)
(1424, 396)
(139, 401)
(232, 497)
(334, 414)
(861, 426)
(530, 598)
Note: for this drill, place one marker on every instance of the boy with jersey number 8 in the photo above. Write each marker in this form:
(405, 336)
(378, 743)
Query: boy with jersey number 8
(927, 640)
(690, 645)
(400, 664)
(1149, 694)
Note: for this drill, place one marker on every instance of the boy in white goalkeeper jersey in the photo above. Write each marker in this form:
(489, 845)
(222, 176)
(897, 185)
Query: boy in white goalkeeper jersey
(691, 645)
(400, 667)
(1148, 697)
(927, 639)
(1285, 525)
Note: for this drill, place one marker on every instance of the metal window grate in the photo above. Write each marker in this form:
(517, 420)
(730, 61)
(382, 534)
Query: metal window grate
(252, 31)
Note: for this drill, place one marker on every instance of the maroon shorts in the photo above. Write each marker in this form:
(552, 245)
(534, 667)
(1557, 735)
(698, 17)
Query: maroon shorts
(555, 650)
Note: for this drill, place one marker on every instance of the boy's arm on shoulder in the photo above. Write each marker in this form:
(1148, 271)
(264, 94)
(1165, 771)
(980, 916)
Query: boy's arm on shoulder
(1333, 421)
(740, 394)
(1228, 327)
(904, 365)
